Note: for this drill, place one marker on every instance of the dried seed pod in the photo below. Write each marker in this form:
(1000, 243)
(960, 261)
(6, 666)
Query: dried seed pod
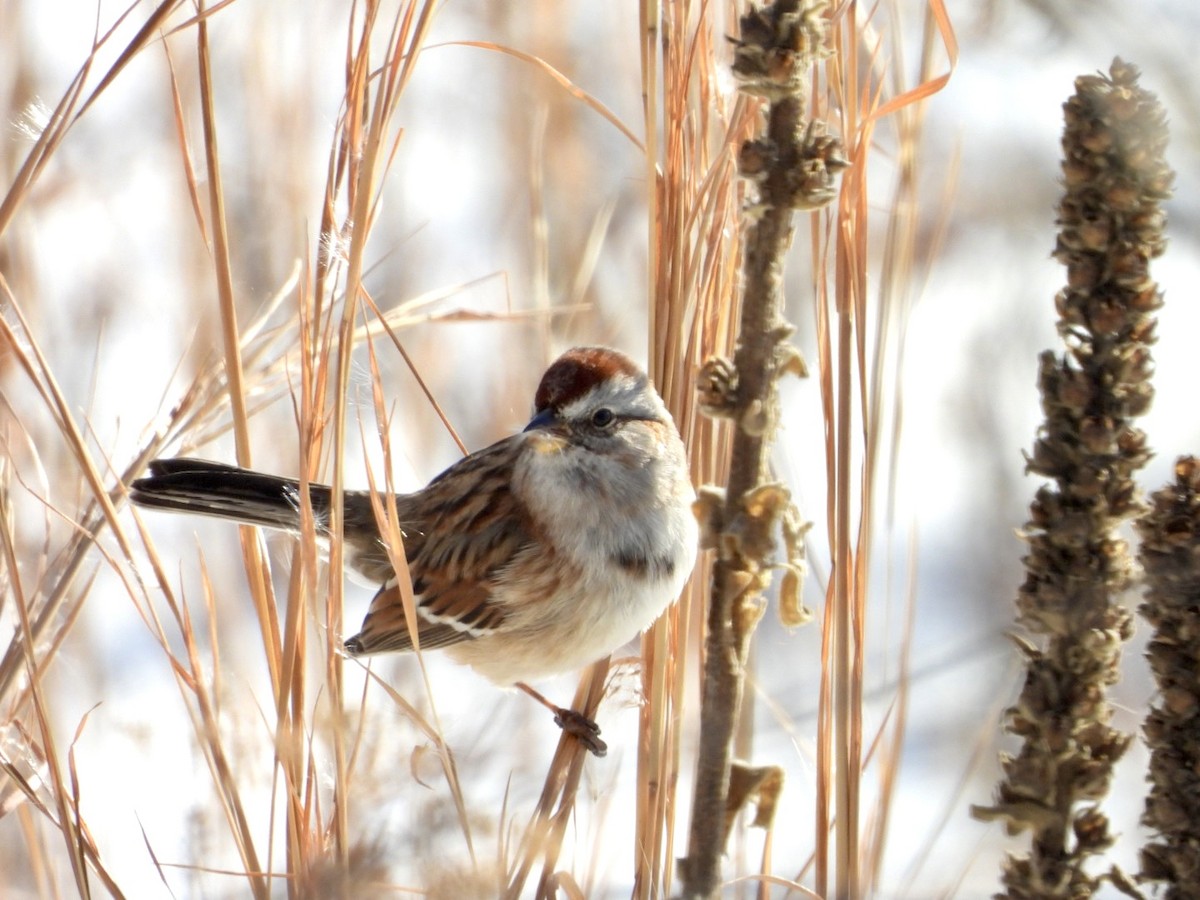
(717, 388)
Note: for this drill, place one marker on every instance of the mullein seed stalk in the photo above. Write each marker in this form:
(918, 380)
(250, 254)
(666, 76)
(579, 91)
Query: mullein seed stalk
(1110, 227)
(1170, 556)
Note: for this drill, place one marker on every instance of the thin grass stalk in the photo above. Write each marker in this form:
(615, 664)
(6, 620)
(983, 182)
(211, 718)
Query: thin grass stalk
(39, 862)
(294, 759)
(203, 398)
(692, 208)
(655, 747)
(653, 740)
(544, 834)
(383, 501)
(361, 183)
(224, 771)
(197, 691)
(649, 14)
(319, 855)
(224, 276)
(368, 144)
(846, 645)
(100, 514)
(67, 823)
(853, 340)
(71, 106)
(256, 570)
(903, 275)
(100, 511)
(589, 695)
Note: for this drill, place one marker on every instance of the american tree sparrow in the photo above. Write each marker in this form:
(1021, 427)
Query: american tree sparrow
(537, 555)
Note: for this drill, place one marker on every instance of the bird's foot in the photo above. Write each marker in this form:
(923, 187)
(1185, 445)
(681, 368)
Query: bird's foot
(582, 728)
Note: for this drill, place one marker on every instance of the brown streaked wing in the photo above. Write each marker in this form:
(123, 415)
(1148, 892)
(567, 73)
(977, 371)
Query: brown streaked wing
(471, 527)
(384, 629)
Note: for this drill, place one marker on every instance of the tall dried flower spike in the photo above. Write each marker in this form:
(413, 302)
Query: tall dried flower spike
(1110, 227)
(792, 165)
(1170, 554)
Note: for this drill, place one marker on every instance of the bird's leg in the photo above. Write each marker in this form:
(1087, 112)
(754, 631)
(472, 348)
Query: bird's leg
(572, 722)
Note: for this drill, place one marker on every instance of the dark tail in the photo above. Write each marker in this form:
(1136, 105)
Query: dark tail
(227, 492)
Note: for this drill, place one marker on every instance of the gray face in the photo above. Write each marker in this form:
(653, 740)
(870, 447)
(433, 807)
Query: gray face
(610, 433)
(594, 398)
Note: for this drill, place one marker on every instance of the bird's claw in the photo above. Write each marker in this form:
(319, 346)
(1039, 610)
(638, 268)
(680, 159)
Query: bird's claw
(581, 727)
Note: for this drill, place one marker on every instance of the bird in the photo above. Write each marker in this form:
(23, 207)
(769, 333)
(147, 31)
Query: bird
(532, 557)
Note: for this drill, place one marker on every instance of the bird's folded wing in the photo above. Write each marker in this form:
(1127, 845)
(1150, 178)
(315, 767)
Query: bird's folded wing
(456, 613)
(464, 534)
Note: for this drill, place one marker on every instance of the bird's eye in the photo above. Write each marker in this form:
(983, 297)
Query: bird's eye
(603, 417)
